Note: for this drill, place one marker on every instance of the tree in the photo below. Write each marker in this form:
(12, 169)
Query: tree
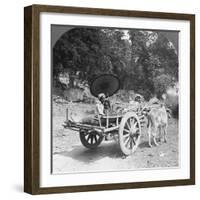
(161, 83)
(144, 61)
(152, 56)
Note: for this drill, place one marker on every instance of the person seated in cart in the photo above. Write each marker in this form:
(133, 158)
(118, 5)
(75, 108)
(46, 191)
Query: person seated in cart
(101, 87)
(103, 105)
(138, 100)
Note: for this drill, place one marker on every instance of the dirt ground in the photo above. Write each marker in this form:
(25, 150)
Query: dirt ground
(69, 155)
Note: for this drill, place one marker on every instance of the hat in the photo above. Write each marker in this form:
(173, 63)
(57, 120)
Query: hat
(138, 96)
(101, 95)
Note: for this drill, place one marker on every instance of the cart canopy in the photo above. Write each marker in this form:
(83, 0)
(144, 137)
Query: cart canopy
(107, 83)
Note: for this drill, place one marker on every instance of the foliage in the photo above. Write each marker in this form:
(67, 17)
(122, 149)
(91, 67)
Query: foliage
(161, 83)
(144, 61)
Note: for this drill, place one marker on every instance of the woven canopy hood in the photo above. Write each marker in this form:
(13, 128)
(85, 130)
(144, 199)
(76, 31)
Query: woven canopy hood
(106, 83)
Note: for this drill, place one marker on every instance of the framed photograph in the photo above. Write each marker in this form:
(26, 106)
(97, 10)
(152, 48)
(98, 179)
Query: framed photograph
(109, 99)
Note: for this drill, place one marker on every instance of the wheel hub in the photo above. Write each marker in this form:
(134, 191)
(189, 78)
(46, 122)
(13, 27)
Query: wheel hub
(132, 131)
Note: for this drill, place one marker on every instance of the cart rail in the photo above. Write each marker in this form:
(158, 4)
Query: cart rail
(77, 126)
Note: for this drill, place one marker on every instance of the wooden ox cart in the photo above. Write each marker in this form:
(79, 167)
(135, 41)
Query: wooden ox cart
(125, 125)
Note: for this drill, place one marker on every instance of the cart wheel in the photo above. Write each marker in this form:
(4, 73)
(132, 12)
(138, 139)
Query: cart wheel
(129, 133)
(90, 139)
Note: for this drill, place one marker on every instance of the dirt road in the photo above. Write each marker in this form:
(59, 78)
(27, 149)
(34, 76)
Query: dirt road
(69, 155)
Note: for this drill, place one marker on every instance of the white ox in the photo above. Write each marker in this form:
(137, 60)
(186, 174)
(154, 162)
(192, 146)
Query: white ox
(157, 124)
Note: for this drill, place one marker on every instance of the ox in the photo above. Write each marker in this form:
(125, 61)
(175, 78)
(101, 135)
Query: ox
(157, 124)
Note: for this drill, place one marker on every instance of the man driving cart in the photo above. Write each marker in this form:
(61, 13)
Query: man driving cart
(103, 105)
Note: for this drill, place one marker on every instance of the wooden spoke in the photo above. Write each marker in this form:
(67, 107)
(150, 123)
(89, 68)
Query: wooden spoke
(126, 138)
(86, 133)
(126, 141)
(89, 137)
(128, 124)
(131, 143)
(95, 138)
(134, 125)
(126, 135)
(126, 130)
(92, 137)
(132, 121)
(133, 140)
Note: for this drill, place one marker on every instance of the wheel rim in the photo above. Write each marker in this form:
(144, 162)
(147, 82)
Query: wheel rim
(90, 139)
(129, 133)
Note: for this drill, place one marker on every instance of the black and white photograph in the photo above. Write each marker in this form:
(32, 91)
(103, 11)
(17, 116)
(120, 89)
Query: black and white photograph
(109, 99)
(114, 99)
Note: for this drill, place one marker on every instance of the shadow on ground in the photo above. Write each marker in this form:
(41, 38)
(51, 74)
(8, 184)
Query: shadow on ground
(80, 153)
(144, 144)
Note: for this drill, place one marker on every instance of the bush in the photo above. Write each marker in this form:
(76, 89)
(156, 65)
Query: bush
(123, 96)
(172, 102)
(161, 83)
